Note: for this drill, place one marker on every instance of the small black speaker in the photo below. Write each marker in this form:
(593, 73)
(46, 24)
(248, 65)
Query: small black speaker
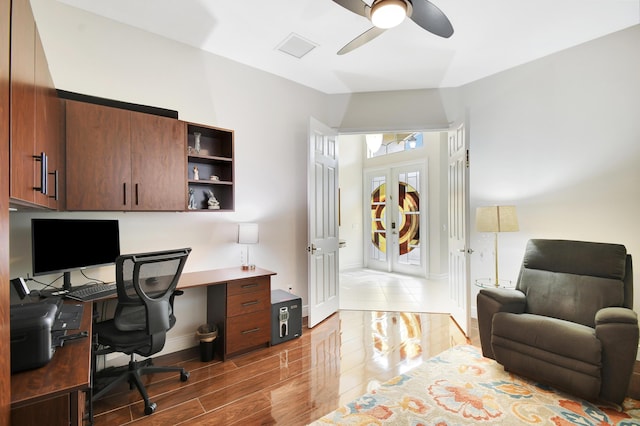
(20, 286)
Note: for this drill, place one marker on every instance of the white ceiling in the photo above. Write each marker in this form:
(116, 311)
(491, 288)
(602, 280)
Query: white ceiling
(490, 36)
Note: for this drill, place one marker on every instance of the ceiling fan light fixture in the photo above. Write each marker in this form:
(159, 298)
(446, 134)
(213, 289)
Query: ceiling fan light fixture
(388, 13)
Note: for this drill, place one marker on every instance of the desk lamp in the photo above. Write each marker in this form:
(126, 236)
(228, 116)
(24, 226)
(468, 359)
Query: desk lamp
(496, 219)
(247, 234)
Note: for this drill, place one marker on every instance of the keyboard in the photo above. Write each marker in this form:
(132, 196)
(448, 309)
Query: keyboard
(92, 292)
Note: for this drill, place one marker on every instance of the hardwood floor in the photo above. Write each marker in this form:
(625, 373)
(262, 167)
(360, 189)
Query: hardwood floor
(293, 383)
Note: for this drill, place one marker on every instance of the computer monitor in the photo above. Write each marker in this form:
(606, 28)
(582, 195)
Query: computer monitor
(65, 245)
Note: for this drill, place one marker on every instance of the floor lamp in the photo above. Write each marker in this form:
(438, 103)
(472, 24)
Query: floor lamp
(247, 234)
(496, 219)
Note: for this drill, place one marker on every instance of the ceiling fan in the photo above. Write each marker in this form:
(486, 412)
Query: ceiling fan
(385, 14)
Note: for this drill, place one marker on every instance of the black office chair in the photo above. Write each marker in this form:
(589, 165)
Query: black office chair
(146, 285)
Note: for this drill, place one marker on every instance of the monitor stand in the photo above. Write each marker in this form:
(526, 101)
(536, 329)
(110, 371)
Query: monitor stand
(56, 292)
(67, 282)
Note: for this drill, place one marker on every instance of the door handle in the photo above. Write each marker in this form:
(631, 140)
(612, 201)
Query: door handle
(55, 185)
(470, 251)
(42, 158)
(312, 249)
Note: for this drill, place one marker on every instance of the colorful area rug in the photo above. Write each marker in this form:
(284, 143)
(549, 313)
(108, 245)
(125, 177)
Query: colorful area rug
(460, 386)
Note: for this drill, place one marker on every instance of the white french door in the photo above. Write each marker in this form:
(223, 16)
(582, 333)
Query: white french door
(395, 200)
(458, 227)
(322, 213)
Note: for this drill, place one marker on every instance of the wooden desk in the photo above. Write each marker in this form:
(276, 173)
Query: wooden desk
(219, 276)
(54, 393)
(239, 304)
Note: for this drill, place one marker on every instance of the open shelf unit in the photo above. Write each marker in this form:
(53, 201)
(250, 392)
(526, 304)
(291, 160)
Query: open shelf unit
(214, 163)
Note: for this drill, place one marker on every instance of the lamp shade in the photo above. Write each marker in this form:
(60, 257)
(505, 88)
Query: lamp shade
(247, 233)
(496, 219)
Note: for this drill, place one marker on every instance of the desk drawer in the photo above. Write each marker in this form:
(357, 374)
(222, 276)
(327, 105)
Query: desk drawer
(248, 285)
(247, 331)
(246, 303)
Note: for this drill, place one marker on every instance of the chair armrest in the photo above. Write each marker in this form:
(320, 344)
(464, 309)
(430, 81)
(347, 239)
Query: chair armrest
(491, 301)
(617, 330)
(511, 300)
(616, 315)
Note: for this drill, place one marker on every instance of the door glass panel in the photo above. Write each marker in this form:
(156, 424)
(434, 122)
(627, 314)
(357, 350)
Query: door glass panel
(378, 243)
(409, 217)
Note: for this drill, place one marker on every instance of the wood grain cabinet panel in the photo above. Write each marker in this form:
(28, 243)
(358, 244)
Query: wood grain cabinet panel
(248, 331)
(35, 123)
(123, 160)
(98, 157)
(157, 163)
(242, 311)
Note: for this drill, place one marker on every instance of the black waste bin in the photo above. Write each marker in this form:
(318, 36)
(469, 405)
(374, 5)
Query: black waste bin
(207, 334)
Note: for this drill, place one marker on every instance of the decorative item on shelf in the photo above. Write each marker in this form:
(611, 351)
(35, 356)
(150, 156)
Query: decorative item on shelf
(496, 219)
(192, 200)
(196, 175)
(212, 202)
(247, 234)
(196, 137)
(214, 177)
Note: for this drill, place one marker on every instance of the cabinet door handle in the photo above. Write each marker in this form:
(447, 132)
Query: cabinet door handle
(42, 158)
(124, 192)
(249, 285)
(137, 198)
(253, 302)
(253, 330)
(55, 185)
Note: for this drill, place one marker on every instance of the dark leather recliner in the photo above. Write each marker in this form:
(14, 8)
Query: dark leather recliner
(569, 322)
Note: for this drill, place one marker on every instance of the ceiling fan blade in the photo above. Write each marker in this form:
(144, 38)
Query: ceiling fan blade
(432, 19)
(363, 38)
(356, 6)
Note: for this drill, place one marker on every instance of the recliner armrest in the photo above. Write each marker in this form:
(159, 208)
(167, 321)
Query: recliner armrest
(618, 332)
(511, 300)
(616, 315)
(491, 301)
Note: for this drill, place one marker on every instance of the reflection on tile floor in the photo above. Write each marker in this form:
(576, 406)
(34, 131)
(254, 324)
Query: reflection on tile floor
(369, 290)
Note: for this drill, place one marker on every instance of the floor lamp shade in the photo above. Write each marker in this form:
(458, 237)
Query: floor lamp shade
(496, 219)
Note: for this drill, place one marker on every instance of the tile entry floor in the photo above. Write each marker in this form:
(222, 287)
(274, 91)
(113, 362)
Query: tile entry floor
(370, 290)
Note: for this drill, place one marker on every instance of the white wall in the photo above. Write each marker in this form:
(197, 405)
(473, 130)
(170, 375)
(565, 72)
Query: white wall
(92, 55)
(560, 139)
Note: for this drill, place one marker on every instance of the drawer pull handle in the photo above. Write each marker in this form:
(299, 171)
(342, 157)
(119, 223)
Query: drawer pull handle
(253, 302)
(249, 285)
(253, 330)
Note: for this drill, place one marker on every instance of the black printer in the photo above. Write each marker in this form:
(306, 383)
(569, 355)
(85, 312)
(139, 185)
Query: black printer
(32, 344)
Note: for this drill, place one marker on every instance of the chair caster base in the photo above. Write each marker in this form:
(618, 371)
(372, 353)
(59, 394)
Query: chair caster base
(150, 409)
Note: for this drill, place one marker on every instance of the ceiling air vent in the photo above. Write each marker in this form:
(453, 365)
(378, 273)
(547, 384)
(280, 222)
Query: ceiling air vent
(295, 45)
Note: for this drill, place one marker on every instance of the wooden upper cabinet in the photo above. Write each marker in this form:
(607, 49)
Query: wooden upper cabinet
(157, 163)
(123, 160)
(98, 157)
(49, 132)
(23, 101)
(36, 127)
